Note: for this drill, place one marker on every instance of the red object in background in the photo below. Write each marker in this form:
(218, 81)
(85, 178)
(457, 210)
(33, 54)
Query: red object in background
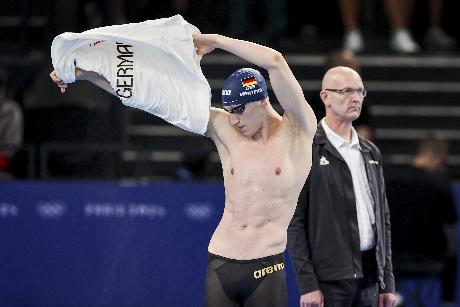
(3, 162)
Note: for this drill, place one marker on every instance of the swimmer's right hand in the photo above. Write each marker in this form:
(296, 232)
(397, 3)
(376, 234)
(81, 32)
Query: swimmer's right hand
(204, 43)
(62, 85)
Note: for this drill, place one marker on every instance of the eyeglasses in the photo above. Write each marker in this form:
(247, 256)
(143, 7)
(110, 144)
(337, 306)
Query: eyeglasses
(349, 91)
(238, 109)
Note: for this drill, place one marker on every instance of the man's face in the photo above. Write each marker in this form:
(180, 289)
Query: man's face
(343, 96)
(246, 118)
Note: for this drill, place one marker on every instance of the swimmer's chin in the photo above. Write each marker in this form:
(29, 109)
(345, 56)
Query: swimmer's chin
(245, 134)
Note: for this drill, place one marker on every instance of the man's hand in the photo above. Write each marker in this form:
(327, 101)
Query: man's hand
(387, 299)
(204, 43)
(62, 85)
(312, 299)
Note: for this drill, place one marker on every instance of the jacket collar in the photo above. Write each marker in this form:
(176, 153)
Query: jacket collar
(336, 140)
(320, 135)
(321, 139)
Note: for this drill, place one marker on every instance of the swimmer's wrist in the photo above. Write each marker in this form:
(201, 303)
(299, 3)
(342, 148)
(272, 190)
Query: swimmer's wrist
(219, 41)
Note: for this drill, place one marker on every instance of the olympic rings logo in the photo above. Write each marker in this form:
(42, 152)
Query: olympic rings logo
(8, 209)
(51, 209)
(198, 211)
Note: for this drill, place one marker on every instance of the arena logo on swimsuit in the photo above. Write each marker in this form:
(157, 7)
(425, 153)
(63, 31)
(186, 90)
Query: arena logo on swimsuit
(268, 270)
(125, 72)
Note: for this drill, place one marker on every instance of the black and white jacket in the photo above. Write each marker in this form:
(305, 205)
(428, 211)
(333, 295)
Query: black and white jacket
(323, 236)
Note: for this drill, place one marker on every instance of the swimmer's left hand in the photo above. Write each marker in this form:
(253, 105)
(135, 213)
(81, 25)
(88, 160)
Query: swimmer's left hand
(204, 43)
(62, 85)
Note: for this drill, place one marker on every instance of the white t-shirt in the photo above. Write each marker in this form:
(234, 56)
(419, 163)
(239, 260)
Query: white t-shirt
(150, 65)
(364, 201)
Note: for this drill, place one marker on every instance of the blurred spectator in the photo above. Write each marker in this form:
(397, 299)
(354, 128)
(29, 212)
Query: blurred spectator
(240, 14)
(399, 14)
(11, 127)
(423, 220)
(432, 156)
(436, 37)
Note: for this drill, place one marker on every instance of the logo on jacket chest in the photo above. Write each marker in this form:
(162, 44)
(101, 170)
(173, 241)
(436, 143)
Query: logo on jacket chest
(323, 161)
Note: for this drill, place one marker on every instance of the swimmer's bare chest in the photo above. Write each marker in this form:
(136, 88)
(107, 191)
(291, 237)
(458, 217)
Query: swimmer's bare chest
(262, 184)
(259, 179)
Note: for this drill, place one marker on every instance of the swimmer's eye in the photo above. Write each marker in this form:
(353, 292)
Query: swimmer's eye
(238, 109)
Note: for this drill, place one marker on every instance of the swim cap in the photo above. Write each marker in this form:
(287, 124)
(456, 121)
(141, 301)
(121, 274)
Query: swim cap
(243, 86)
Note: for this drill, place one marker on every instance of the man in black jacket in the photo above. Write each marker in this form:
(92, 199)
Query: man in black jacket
(423, 224)
(339, 239)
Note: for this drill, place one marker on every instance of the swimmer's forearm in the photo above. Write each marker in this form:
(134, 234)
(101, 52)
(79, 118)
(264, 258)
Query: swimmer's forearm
(94, 78)
(259, 55)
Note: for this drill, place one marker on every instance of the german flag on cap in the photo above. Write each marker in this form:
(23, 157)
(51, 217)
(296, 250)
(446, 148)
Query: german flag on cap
(249, 81)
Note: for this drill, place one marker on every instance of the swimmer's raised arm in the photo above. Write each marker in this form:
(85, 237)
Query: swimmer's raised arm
(81, 74)
(285, 86)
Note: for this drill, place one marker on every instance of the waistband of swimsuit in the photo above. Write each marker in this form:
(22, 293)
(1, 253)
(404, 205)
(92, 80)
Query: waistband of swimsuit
(279, 256)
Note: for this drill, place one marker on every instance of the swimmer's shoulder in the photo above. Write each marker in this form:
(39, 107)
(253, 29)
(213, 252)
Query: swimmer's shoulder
(217, 118)
(219, 128)
(217, 113)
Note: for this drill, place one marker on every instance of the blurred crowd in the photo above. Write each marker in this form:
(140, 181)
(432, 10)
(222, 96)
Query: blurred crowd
(352, 27)
(408, 26)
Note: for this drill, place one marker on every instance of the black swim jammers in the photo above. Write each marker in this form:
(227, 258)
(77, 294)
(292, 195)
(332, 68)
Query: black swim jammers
(257, 282)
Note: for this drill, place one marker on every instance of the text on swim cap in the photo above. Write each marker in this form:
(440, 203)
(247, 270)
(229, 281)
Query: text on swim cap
(249, 93)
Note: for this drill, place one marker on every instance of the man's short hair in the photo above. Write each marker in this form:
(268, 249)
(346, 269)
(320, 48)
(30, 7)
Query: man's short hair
(433, 145)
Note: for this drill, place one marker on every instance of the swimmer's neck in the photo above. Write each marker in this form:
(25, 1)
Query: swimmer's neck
(270, 126)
